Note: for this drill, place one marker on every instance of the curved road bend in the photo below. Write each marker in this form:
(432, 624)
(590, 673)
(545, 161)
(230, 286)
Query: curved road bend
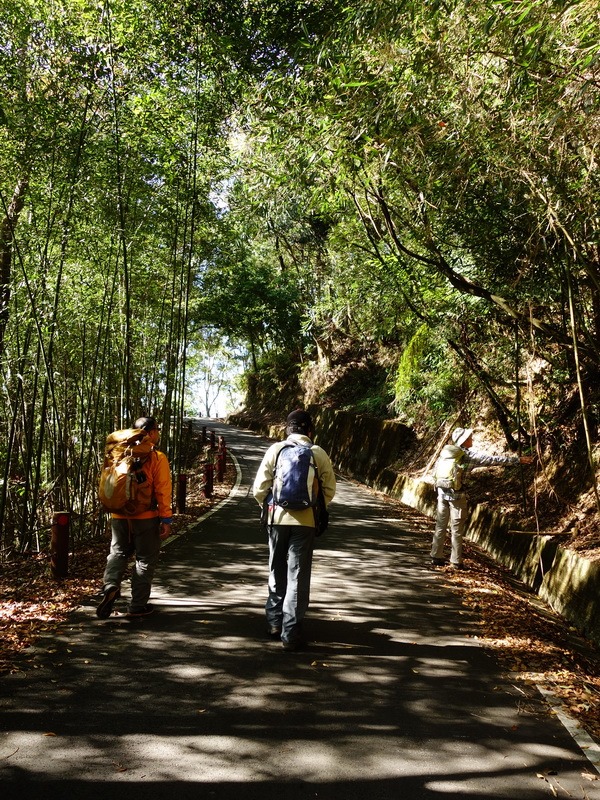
(391, 701)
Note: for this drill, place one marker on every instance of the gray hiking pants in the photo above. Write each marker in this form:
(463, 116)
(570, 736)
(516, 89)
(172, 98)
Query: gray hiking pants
(290, 565)
(129, 536)
(451, 508)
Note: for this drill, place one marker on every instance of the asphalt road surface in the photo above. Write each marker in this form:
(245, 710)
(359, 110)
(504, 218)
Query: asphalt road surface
(391, 699)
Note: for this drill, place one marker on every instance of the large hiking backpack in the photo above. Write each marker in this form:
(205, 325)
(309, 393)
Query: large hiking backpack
(449, 470)
(124, 487)
(295, 482)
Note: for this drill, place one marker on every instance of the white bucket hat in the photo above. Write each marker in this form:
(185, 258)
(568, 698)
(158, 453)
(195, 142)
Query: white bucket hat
(460, 435)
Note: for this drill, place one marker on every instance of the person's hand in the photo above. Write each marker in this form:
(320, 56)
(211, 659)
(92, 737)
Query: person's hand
(165, 530)
(526, 460)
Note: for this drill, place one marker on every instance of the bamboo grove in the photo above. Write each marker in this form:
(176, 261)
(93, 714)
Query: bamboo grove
(108, 134)
(417, 178)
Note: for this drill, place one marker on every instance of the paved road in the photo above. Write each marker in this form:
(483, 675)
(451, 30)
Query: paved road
(391, 700)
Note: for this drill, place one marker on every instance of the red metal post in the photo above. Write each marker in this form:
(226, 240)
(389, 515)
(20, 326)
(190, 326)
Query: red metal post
(181, 492)
(209, 471)
(59, 544)
(221, 457)
(213, 440)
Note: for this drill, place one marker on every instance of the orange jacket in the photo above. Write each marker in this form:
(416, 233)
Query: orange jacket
(158, 474)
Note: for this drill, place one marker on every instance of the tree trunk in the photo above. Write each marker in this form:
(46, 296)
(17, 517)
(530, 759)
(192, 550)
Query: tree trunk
(7, 236)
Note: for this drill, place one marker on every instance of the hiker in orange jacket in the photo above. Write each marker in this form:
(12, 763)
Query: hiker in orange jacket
(140, 533)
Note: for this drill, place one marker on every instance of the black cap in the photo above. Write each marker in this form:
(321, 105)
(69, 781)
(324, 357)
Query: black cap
(299, 421)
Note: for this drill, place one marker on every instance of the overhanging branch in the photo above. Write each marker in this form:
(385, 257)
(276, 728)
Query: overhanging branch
(466, 286)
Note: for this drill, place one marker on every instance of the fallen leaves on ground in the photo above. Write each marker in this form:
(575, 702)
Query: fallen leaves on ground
(33, 602)
(530, 641)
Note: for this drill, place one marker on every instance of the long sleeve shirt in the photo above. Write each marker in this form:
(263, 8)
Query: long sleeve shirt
(263, 483)
(473, 458)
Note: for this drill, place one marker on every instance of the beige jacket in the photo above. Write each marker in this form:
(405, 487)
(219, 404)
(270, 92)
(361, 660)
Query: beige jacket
(264, 481)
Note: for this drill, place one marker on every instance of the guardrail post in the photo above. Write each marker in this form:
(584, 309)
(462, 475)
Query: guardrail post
(209, 471)
(181, 492)
(59, 544)
(221, 456)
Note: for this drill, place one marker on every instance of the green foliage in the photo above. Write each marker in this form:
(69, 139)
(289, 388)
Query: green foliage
(405, 184)
(429, 380)
(449, 149)
(113, 127)
(273, 387)
(409, 369)
(250, 302)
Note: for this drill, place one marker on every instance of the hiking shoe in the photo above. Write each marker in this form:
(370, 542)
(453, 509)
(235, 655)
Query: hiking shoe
(145, 611)
(105, 606)
(462, 566)
(438, 562)
(274, 632)
(295, 644)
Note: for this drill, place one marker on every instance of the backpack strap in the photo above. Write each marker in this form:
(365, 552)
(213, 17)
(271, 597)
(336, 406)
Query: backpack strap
(286, 443)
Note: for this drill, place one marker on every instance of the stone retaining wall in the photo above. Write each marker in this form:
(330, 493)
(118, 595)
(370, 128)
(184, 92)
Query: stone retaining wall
(363, 447)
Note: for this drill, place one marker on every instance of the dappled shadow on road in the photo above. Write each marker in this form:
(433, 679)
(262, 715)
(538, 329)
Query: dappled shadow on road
(390, 698)
(448, 787)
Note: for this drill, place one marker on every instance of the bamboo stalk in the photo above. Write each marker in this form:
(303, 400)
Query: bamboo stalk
(584, 408)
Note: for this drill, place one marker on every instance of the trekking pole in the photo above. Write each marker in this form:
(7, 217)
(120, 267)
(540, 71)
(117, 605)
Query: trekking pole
(59, 544)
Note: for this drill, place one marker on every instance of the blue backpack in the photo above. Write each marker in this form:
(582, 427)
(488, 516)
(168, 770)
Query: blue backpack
(295, 482)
